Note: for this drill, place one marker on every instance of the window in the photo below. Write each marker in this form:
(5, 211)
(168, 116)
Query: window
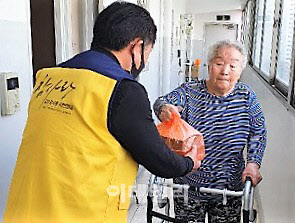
(247, 27)
(286, 42)
(267, 36)
(258, 29)
(272, 48)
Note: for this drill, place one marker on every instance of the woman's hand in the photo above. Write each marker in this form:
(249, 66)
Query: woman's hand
(167, 110)
(252, 171)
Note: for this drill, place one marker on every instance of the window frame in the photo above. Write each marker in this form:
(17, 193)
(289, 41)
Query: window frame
(285, 92)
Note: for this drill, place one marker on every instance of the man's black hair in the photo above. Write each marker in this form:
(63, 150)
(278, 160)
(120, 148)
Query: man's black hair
(120, 23)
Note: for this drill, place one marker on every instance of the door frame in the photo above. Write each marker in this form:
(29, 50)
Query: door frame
(205, 63)
(63, 30)
(220, 23)
(63, 26)
(89, 12)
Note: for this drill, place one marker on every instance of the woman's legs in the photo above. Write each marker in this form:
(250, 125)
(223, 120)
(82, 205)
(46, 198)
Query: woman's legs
(189, 209)
(194, 211)
(229, 213)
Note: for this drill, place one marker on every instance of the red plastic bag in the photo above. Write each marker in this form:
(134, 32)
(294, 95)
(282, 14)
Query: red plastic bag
(179, 136)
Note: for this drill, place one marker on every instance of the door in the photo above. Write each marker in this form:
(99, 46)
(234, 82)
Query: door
(43, 34)
(214, 33)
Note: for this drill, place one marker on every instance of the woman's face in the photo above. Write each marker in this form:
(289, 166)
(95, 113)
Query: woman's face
(224, 70)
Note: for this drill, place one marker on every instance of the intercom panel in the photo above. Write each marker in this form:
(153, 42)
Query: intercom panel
(9, 90)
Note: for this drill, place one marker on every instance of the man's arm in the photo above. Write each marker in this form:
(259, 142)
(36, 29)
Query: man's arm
(130, 122)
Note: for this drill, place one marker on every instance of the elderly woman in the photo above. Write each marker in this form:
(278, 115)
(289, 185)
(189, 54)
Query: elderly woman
(230, 118)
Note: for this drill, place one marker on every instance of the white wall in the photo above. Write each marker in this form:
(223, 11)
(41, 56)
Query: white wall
(157, 78)
(179, 8)
(198, 30)
(15, 55)
(160, 77)
(13, 10)
(75, 16)
(106, 3)
(277, 188)
(150, 77)
(202, 18)
(201, 6)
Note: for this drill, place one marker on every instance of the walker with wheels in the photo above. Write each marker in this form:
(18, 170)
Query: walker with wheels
(249, 214)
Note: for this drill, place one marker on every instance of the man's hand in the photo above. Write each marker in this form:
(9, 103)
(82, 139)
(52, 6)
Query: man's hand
(193, 155)
(167, 110)
(252, 171)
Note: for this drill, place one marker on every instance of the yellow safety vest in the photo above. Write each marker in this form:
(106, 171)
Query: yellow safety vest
(70, 169)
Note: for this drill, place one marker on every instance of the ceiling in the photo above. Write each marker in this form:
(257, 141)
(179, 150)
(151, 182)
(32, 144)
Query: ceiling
(201, 6)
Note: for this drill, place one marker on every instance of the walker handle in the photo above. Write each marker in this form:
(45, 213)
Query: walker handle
(249, 214)
(249, 179)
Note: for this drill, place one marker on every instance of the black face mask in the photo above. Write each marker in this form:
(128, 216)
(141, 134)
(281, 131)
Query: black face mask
(134, 71)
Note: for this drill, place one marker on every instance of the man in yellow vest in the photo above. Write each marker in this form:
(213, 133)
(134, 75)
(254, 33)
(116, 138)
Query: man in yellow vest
(89, 126)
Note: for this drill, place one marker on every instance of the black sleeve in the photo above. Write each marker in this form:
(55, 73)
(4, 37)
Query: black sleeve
(130, 122)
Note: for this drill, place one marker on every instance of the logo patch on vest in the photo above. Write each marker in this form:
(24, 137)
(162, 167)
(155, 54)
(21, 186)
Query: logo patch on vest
(52, 94)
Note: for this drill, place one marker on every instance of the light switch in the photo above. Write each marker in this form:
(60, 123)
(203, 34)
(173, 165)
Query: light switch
(9, 90)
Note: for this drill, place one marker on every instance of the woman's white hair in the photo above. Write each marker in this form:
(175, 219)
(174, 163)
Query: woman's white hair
(213, 51)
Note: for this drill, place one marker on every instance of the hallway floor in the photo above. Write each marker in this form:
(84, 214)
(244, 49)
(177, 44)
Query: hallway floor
(137, 212)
